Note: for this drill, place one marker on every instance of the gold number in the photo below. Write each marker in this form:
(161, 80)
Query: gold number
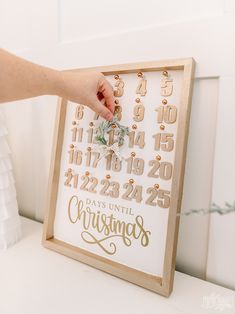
(137, 193)
(108, 161)
(164, 141)
(96, 159)
(71, 154)
(136, 139)
(163, 198)
(93, 185)
(167, 114)
(162, 195)
(116, 163)
(114, 192)
(75, 156)
(141, 88)
(118, 110)
(132, 192)
(96, 156)
(78, 157)
(75, 183)
(106, 184)
(80, 133)
(111, 137)
(152, 197)
(118, 92)
(155, 166)
(88, 180)
(69, 176)
(129, 189)
(165, 169)
(77, 134)
(79, 112)
(90, 135)
(166, 86)
(94, 136)
(138, 113)
(112, 161)
(135, 165)
(74, 134)
(88, 158)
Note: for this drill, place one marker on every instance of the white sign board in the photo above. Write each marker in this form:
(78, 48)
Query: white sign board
(117, 210)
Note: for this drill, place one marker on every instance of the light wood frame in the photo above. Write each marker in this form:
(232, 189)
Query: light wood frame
(162, 285)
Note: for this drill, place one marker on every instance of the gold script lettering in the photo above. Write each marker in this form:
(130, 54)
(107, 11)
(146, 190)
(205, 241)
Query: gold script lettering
(107, 225)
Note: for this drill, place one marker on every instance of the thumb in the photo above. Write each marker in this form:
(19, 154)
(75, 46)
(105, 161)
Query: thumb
(100, 108)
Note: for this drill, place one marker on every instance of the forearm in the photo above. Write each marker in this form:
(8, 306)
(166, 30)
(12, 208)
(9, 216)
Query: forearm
(21, 79)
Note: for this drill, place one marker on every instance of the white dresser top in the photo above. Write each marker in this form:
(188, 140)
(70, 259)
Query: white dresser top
(35, 280)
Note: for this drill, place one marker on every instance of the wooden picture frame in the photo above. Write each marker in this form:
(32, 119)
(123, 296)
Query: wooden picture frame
(164, 284)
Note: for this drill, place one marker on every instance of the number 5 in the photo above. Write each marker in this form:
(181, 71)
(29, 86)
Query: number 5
(163, 198)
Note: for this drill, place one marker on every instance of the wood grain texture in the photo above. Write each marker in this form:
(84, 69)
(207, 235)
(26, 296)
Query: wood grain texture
(162, 285)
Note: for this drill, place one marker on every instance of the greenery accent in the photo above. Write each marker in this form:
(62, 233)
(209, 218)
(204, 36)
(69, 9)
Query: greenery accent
(229, 208)
(107, 126)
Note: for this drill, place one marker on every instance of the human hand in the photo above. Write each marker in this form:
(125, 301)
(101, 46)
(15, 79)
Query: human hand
(90, 89)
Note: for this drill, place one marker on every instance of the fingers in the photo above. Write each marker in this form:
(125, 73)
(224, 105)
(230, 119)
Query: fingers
(107, 92)
(100, 108)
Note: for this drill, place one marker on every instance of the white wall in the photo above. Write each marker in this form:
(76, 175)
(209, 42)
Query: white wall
(72, 34)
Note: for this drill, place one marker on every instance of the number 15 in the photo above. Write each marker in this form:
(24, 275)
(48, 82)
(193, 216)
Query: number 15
(164, 141)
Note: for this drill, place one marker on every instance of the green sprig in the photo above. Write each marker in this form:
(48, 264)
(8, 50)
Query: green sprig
(107, 126)
(214, 208)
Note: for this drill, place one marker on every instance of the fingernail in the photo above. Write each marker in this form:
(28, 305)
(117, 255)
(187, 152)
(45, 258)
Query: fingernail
(109, 116)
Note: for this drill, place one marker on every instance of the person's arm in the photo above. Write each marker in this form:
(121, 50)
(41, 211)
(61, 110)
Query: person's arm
(21, 79)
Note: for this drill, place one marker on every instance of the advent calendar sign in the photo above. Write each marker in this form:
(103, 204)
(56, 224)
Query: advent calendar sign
(115, 188)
